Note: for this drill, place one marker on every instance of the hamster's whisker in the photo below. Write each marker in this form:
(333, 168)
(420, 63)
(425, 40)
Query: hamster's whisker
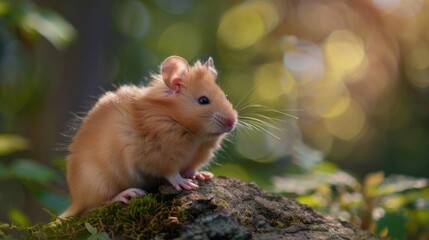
(241, 101)
(260, 126)
(277, 122)
(252, 108)
(266, 119)
(227, 139)
(257, 127)
(261, 123)
(257, 117)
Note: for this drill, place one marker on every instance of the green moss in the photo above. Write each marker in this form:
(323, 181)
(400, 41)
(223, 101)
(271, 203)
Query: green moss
(221, 203)
(246, 218)
(278, 224)
(144, 218)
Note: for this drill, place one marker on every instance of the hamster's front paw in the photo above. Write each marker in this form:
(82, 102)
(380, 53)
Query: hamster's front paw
(193, 174)
(180, 183)
(203, 175)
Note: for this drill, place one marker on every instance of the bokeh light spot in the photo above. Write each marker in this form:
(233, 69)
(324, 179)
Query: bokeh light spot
(273, 81)
(338, 107)
(320, 18)
(418, 78)
(133, 19)
(176, 7)
(241, 27)
(4, 8)
(322, 95)
(182, 39)
(268, 13)
(305, 61)
(252, 145)
(401, 8)
(347, 125)
(386, 4)
(418, 57)
(416, 60)
(344, 52)
(319, 136)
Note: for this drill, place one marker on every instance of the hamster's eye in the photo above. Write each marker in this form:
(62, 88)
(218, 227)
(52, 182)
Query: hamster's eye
(203, 100)
(226, 95)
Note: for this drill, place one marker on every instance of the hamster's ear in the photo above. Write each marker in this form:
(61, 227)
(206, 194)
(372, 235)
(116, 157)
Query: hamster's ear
(209, 64)
(174, 70)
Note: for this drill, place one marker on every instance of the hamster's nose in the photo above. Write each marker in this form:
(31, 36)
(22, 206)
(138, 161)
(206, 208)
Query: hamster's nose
(230, 123)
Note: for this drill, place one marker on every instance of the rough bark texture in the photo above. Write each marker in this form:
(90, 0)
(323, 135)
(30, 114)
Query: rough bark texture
(226, 208)
(221, 208)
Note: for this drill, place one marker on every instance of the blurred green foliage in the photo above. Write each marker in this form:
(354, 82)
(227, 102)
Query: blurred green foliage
(345, 81)
(396, 206)
(22, 175)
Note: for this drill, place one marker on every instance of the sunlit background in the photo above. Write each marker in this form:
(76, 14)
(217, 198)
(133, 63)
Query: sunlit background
(337, 92)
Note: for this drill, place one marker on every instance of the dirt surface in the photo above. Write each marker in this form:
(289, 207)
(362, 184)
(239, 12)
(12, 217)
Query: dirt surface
(225, 208)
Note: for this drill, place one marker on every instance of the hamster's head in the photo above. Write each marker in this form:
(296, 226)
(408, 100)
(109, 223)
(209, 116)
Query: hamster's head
(200, 105)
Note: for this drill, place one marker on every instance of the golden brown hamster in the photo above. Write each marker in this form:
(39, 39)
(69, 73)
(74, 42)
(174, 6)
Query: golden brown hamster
(169, 129)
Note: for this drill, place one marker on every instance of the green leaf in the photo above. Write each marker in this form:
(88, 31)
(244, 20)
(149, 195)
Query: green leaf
(10, 143)
(32, 171)
(326, 167)
(50, 25)
(306, 183)
(4, 225)
(313, 200)
(395, 223)
(18, 217)
(99, 236)
(91, 229)
(372, 181)
(95, 235)
(401, 183)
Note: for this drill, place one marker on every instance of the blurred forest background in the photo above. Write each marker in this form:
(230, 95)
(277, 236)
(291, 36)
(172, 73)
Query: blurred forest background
(345, 85)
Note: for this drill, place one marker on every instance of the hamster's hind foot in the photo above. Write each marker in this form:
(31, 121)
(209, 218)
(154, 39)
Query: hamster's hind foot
(126, 195)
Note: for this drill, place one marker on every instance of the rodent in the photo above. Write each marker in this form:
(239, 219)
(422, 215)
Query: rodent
(167, 130)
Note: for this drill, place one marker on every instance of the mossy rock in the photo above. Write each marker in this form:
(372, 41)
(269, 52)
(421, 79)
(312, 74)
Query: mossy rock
(221, 208)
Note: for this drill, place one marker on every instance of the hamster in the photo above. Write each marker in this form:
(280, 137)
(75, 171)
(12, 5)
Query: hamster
(167, 130)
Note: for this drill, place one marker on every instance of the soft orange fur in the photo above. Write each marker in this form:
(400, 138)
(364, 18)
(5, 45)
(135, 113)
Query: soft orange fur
(139, 131)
